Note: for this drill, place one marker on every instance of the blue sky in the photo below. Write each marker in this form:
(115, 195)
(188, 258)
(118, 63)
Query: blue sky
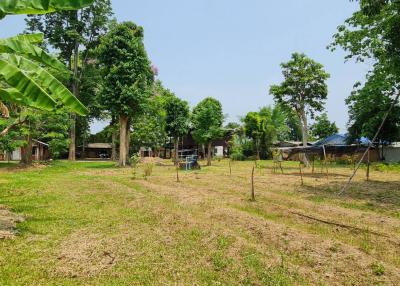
(232, 49)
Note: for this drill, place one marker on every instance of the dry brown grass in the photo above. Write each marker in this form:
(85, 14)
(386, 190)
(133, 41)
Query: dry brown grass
(110, 229)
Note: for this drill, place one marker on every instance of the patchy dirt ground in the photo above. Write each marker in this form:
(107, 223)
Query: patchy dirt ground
(8, 223)
(93, 224)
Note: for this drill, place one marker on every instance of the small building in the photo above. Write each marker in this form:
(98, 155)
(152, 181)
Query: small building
(391, 153)
(334, 147)
(97, 151)
(40, 152)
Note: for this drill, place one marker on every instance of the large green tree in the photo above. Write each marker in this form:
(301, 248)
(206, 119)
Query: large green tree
(323, 127)
(368, 105)
(303, 90)
(372, 33)
(177, 121)
(255, 127)
(207, 120)
(75, 34)
(128, 78)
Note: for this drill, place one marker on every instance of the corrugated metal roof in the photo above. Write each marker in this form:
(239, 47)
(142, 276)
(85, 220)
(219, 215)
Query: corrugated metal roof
(100, 146)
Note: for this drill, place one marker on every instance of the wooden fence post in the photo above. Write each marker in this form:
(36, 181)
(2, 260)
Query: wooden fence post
(301, 174)
(253, 196)
(368, 166)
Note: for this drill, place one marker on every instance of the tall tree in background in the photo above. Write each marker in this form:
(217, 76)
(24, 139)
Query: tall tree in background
(372, 32)
(207, 120)
(323, 128)
(368, 105)
(177, 121)
(303, 90)
(74, 34)
(128, 78)
(255, 127)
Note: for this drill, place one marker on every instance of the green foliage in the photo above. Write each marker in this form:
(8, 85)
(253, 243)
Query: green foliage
(373, 32)
(135, 160)
(12, 7)
(24, 80)
(207, 120)
(304, 89)
(323, 128)
(378, 269)
(177, 116)
(126, 70)
(369, 104)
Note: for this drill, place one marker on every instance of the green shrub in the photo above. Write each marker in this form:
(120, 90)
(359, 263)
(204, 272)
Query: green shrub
(238, 157)
(378, 269)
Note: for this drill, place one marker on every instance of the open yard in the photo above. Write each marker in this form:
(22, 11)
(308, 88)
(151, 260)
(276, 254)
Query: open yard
(92, 224)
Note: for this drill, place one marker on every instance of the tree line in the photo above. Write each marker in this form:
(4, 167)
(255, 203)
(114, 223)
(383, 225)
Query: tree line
(101, 70)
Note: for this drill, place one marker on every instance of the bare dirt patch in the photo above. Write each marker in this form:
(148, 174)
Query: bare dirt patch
(8, 223)
(85, 255)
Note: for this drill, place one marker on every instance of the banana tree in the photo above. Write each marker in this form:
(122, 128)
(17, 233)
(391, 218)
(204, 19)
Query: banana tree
(13, 7)
(24, 67)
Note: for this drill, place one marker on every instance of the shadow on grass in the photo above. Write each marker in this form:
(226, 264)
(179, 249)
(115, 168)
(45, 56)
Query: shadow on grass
(371, 194)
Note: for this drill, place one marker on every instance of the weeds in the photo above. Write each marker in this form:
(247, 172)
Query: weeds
(148, 170)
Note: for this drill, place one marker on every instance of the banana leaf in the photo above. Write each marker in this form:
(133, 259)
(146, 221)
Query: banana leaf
(12, 7)
(48, 82)
(22, 45)
(14, 96)
(25, 85)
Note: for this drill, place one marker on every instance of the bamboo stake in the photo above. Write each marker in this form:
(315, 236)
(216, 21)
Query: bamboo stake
(301, 174)
(177, 174)
(368, 166)
(325, 162)
(313, 164)
(253, 196)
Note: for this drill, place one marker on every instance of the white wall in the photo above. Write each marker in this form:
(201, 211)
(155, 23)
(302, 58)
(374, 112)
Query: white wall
(391, 154)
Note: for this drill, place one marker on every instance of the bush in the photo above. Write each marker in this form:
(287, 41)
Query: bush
(238, 157)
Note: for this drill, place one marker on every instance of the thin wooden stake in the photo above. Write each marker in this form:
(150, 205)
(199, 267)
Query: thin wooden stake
(253, 196)
(230, 168)
(368, 166)
(177, 174)
(325, 162)
(301, 174)
(313, 164)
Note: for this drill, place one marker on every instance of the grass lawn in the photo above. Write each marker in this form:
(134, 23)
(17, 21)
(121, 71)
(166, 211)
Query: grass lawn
(92, 224)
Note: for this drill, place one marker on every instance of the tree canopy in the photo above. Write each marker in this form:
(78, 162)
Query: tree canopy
(303, 90)
(127, 77)
(207, 120)
(323, 128)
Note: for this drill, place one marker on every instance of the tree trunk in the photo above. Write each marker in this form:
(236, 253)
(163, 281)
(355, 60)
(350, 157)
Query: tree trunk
(27, 156)
(128, 142)
(75, 91)
(83, 155)
(114, 147)
(209, 153)
(72, 138)
(176, 148)
(123, 144)
(304, 128)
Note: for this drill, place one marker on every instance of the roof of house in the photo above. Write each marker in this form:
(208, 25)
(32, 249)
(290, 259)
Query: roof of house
(339, 140)
(99, 146)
